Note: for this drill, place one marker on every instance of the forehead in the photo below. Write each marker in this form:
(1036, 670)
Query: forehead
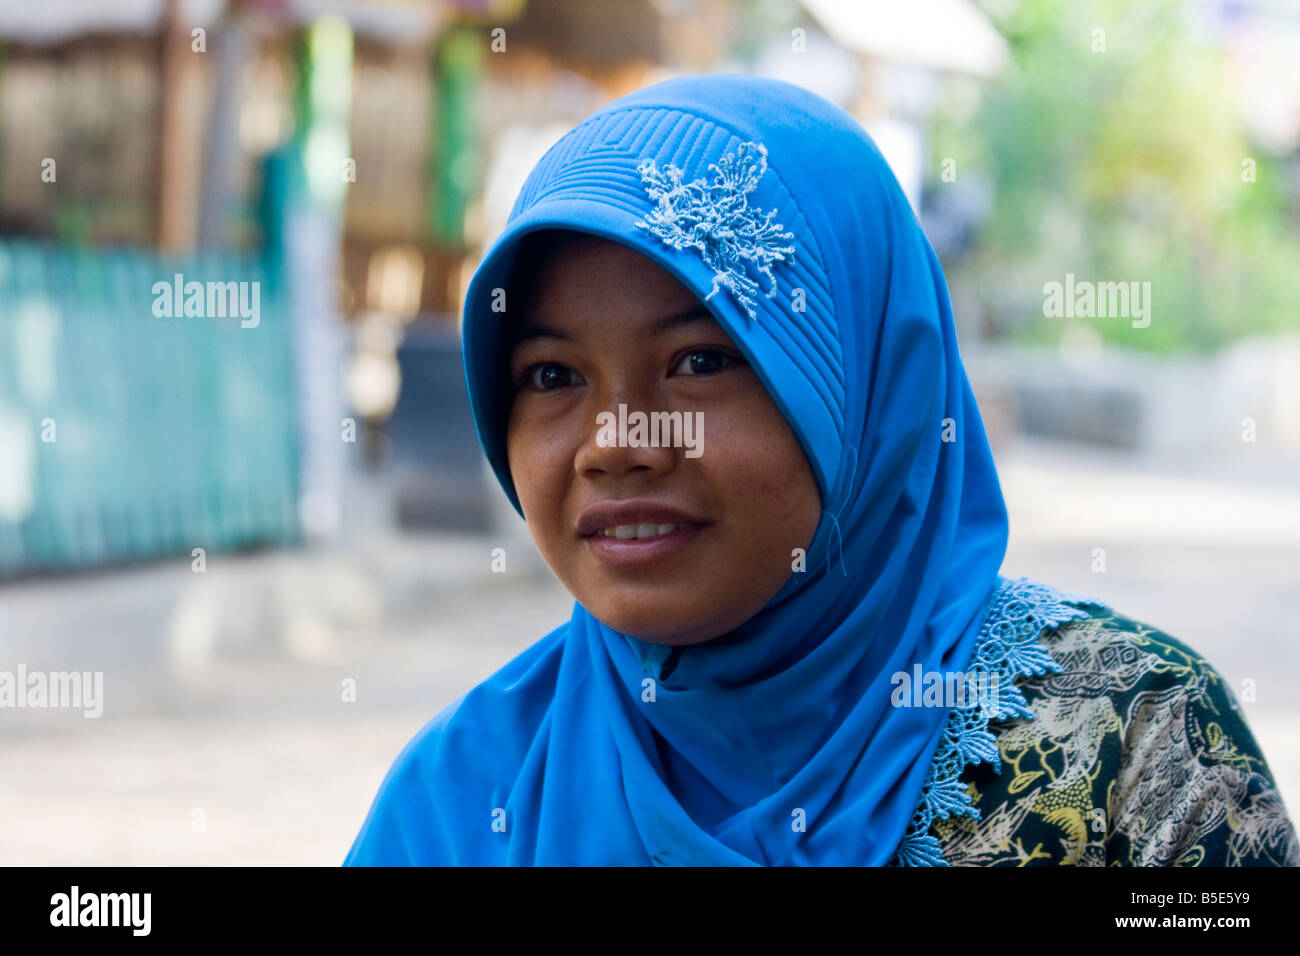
(560, 274)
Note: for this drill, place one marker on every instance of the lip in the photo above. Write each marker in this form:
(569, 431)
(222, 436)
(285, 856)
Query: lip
(596, 519)
(635, 552)
(629, 552)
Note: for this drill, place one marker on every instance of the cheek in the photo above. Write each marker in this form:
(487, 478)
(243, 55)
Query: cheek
(539, 452)
(532, 464)
(767, 476)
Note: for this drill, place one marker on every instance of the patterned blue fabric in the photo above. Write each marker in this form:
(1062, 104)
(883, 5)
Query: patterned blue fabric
(776, 743)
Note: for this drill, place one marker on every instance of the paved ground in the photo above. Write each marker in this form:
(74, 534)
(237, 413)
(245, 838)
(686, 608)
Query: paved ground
(223, 691)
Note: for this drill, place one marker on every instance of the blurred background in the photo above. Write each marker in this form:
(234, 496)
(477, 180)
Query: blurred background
(278, 541)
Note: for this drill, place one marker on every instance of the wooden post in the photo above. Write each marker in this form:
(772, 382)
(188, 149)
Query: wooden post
(180, 135)
(222, 147)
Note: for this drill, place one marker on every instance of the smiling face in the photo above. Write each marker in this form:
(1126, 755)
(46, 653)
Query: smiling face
(674, 545)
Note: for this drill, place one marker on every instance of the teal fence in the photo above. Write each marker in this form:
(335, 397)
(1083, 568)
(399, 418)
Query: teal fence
(125, 434)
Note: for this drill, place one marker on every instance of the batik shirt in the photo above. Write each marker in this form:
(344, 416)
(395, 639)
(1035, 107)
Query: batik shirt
(1136, 753)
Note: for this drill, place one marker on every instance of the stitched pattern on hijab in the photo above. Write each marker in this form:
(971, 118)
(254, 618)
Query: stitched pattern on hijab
(716, 219)
(1008, 647)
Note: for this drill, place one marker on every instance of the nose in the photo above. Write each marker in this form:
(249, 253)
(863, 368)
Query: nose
(621, 441)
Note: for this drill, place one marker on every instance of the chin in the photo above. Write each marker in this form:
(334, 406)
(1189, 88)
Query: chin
(651, 625)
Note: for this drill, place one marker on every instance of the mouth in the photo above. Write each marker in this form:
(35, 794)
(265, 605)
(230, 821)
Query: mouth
(634, 545)
(640, 532)
(628, 533)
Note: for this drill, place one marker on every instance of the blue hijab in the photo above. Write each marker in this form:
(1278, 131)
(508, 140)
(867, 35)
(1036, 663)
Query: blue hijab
(776, 743)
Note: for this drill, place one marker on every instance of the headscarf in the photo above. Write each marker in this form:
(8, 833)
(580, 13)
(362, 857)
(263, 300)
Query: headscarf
(776, 743)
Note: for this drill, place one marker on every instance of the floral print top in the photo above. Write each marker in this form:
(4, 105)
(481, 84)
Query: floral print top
(1137, 753)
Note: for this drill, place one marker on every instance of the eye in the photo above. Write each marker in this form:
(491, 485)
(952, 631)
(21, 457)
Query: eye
(548, 376)
(705, 361)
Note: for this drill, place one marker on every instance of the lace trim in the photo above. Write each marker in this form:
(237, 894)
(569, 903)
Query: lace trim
(716, 219)
(1008, 647)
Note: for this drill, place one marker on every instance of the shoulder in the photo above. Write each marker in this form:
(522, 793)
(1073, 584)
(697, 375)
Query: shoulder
(1137, 753)
(1110, 652)
(460, 762)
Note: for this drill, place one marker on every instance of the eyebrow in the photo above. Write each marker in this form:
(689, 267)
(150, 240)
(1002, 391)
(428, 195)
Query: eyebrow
(695, 313)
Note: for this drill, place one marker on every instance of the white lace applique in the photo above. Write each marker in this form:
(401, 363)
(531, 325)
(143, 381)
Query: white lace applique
(715, 219)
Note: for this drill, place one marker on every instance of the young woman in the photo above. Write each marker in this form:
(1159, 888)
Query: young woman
(713, 365)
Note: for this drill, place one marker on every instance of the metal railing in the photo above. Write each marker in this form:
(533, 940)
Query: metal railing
(127, 434)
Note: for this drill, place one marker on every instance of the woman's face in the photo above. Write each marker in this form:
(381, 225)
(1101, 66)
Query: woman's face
(674, 545)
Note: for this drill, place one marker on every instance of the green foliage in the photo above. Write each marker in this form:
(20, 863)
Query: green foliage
(1123, 163)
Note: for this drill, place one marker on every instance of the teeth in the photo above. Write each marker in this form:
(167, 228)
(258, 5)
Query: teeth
(625, 531)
